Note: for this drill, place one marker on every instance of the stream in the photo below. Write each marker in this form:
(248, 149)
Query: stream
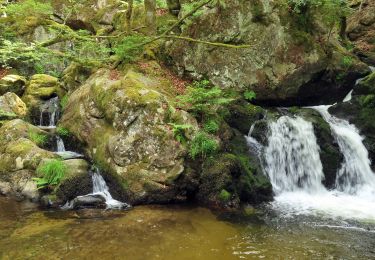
(176, 232)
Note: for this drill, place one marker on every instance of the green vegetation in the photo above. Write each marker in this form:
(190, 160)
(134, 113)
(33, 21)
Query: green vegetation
(211, 126)
(130, 48)
(64, 102)
(347, 62)
(61, 131)
(224, 195)
(203, 100)
(179, 132)
(51, 172)
(37, 138)
(203, 145)
(249, 95)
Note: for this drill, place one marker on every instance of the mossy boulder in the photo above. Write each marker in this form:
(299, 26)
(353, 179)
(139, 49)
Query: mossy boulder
(76, 181)
(20, 157)
(284, 64)
(11, 107)
(12, 83)
(124, 124)
(40, 88)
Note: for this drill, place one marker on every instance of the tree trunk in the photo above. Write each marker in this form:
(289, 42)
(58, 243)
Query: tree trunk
(129, 14)
(150, 16)
(174, 6)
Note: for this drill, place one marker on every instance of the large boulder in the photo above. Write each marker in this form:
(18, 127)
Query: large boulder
(124, 124)
(11, 107)
(284, 65)
(12, 83)
(361, 30)
(20, 157)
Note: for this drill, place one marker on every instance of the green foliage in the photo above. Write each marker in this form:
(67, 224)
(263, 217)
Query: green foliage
(27, 8)
(61, 131)
(50, 173)
(347, 62)
(202, 100)
(179, 132)
(330, 11)
(249, 95)
(211, 126)
(224, 195)
(38, 139)
(64, 102)
(203, 145)
(130, 48)
(161, 4)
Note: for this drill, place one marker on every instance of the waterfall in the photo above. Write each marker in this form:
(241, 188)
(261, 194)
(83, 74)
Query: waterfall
(355, 174)
(60, 144)
(101, 190)
(292, 156)
(51, 107)
(292, 162)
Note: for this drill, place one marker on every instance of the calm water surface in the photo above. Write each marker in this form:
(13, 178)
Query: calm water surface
(176, 232)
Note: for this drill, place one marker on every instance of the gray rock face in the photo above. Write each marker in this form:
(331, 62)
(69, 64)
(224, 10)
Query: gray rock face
(283, 65)
(12, 83)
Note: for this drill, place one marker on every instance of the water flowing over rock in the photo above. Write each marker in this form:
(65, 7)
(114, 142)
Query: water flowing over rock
(294, 167)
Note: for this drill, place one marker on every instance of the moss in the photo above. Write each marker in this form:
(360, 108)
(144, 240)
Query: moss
(224, 195)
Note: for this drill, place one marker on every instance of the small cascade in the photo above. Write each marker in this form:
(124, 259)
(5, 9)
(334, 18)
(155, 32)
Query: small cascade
(100, 194)
(61, 151)
(60, 144)
(255, 147)
(355, 174)
(100, 188)
(52, 109)
(292, 156)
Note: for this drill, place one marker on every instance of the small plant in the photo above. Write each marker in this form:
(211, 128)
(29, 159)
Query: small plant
(224, 195)
(249, 95)
(61, 131)
(202, 100)
(203, 145)
(64, 101)
(211, 126)
(179, 132)
(37, 138)
(51, 172)
(130, 48)
(347, 61)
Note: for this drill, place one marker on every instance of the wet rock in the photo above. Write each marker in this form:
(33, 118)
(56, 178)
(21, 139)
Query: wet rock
(76, 181)
(12, 83)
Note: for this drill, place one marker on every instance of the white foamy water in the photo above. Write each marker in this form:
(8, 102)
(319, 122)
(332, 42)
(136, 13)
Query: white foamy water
(100, 188)
(296, 173)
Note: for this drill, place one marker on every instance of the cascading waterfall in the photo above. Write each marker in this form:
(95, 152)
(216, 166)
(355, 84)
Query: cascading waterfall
(355, 175)
(51, 107)
(292, 162)
(292, 156)
(100, 189)
(60, 144)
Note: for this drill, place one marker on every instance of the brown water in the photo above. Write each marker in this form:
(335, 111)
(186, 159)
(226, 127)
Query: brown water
(172, 232)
